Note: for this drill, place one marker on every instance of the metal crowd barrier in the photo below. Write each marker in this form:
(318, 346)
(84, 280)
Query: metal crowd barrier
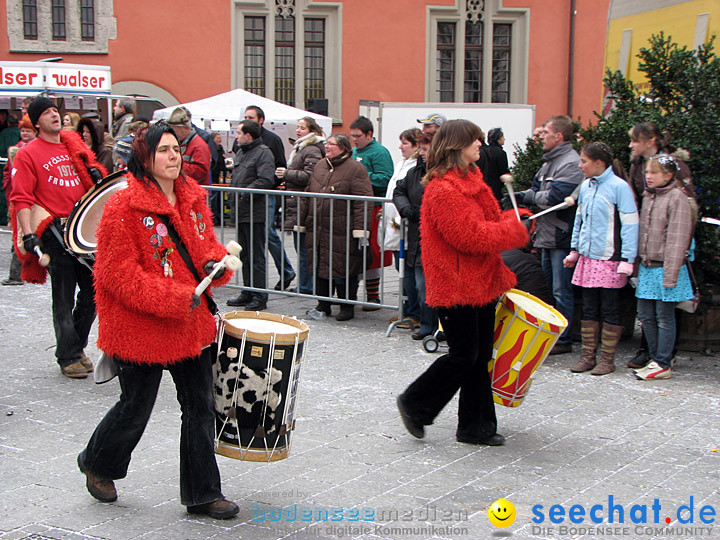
(228, 230)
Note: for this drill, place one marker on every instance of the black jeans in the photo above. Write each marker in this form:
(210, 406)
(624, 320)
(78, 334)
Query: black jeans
(72, 318)
(108, 453)
(469, 332)
(600, 304)
(256, 246)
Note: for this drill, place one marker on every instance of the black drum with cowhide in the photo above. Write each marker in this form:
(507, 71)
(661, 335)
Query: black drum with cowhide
(256, 375)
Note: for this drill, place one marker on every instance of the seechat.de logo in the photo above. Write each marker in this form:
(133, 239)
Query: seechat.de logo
(617, 513)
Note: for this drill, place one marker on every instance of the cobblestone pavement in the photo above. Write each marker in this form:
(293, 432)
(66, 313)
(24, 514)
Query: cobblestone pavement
(610, 441)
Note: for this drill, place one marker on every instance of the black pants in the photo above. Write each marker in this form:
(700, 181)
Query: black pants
(109, 451)
(253, 274)
(15, 266)
(600, 304)
(72, 317)
(469, 332)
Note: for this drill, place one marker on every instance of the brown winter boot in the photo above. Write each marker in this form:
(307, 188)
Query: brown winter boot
(590, 332)
(611, 334)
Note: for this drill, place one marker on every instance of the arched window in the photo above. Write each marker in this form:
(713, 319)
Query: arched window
(477, 53)
(288, 50)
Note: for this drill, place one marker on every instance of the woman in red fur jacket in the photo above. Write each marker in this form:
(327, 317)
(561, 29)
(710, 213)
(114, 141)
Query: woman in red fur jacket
(463, 233)
(151, 320)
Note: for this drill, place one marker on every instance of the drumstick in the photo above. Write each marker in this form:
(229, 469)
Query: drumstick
(567, 203)
(508, 179)
(44, 257)
(711, 221)
(228, 261)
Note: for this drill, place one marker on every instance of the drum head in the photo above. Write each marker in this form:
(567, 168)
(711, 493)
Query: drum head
(261, 326)
(83, 221)
(536, 307)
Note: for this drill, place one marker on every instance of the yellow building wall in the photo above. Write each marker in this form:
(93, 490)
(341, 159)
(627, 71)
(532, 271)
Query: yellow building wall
(678, 21)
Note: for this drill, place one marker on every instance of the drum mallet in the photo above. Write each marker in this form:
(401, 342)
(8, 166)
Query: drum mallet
(230, 261)
(507, 179)
(567, 203)
(44, 257)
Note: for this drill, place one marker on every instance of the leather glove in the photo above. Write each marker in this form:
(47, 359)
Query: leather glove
(30, 242)
(209, 268)
(571, 259)
(626, 268)
(95, 174)
(195, 302)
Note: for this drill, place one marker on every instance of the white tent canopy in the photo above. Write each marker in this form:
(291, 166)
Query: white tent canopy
(223, 111)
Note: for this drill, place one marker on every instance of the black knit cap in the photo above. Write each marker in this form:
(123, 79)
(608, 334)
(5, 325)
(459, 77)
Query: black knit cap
(38, 106)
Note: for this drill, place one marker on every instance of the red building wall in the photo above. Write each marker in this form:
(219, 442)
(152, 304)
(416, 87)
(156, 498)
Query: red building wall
(169, 43)
(186, 50)
(384, 51)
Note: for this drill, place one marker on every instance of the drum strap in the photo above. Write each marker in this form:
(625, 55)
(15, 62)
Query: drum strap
(182, 250)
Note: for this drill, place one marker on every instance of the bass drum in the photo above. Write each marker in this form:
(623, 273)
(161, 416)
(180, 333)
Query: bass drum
(256, 374)
(82, 223)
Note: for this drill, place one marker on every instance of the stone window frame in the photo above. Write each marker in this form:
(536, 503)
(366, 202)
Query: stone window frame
(331, 12)
(30, 27)
(59, 20)
(105, 29)
(492, 12)
(87, 20)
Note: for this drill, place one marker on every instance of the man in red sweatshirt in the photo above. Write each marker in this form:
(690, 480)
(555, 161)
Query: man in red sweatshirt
(49, 176)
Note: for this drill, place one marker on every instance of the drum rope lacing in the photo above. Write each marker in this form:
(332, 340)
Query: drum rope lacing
(268, 367)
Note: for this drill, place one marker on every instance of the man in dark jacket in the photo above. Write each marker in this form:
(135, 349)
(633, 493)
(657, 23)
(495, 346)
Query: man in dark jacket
(254, 168)
(529, 273)
(495, 162)
(557, 178)
(275, 246)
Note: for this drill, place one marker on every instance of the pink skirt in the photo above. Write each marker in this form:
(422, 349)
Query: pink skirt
(592, 273)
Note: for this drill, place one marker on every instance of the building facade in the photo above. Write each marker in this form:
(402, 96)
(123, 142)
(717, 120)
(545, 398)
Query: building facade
(690, 23)
(329, 55)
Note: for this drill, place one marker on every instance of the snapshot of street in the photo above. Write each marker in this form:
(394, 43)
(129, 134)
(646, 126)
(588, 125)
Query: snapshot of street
(585, 457)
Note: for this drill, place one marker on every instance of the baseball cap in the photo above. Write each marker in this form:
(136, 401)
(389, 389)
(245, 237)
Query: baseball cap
(433, 118)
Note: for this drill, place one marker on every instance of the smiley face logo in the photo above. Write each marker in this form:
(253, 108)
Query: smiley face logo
(502, 513)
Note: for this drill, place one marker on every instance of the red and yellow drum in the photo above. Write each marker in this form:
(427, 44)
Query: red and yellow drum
(526, 328)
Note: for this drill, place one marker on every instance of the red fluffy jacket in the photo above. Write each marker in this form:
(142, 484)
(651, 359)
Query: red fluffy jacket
(462, 234)
(82, 158)
(143, 288)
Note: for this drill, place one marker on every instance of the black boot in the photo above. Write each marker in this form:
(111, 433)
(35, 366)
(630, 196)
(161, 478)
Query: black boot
(347, 312)
(243, 299)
